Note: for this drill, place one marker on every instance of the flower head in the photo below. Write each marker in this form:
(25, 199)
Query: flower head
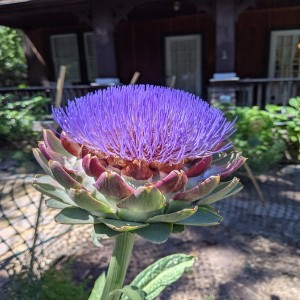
(144, 122)
(138, 159)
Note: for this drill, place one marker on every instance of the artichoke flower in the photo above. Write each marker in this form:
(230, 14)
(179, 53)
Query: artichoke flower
(141, 159)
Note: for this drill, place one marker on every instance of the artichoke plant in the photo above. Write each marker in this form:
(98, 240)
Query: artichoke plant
(140, 159)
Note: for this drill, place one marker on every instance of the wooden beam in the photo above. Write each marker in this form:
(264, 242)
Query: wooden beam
(204, 5)
(135, 77)
(243, 5)
(103, 27)
(60, 85)
(225, 36)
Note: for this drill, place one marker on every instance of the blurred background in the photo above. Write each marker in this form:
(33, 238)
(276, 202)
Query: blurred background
(242, 56)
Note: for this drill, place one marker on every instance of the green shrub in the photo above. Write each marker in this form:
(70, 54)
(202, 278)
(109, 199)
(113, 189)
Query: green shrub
(13, 67)
(53, 285)
(16, 120)
(286, 120)
(256, 137)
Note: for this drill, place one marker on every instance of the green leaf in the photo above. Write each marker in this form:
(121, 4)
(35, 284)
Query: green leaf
(98, 288)
(155, 278)
(53, 203)
(86, 201)
(221, 191)
(156, 233)
(178, 228)
(145, 203)
(174, 217)
(43, 162)
(54, 143)
(203, 217)
(120, 225)
(227, 158)
(48, 186)
(62, 176)
(75, 215)
(199, 191)
(101, 232)
(175, 206)
(132, 292)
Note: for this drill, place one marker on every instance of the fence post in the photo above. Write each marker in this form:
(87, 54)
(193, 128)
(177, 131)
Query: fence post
(35, 236)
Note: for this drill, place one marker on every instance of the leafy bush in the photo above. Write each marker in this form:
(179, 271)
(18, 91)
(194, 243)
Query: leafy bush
(13, 68)
(53, 285)
(286, 120)
(16, 120)
(256, 137)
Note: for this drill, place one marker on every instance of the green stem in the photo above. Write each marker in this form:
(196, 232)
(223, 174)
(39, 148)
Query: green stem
(118, 265)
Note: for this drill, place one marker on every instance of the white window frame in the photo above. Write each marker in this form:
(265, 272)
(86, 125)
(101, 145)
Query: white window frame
(54, 58)
(88, 57)
(272, 54)
(198, 62)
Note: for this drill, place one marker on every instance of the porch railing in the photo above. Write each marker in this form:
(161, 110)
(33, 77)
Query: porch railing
(254, 91)
(262, 91)
(248, 92)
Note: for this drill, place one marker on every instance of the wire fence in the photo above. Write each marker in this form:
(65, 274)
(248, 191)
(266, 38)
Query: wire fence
(30, 238)
(32, 241)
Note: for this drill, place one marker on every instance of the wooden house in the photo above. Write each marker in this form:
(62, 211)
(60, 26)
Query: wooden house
(209, 46)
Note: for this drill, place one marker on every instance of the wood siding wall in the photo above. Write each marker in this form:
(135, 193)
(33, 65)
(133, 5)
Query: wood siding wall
(140, 46)
(253, 38)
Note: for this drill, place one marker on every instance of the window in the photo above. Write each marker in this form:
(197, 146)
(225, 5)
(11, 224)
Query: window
(90, 55)
(183, 62)
(285, 54)
(65, 52)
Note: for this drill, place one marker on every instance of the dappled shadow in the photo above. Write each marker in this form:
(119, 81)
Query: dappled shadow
(251, 255)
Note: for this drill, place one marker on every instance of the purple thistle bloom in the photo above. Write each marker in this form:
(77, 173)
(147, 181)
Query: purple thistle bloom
(144, 122)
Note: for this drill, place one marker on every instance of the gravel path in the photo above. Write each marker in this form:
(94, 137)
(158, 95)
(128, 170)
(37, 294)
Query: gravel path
(253, 254)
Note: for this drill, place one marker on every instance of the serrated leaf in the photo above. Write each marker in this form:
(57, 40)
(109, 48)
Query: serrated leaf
(173, 217)
(203, 217)
(75, 215)
(132, 292)
(120, 225)
(155, 278)
(53, 203)
(156, 233)
(98, 287)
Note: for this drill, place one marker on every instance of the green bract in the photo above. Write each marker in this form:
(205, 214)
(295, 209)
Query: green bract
(87, 190)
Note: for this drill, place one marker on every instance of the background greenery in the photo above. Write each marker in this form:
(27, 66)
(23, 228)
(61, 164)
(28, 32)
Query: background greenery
(16, 126)
(267, 137)
(13, 68)
(53, 285)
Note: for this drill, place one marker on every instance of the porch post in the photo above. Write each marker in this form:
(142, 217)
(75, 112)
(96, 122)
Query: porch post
(103, 27)
(223, 85)
(225, 36)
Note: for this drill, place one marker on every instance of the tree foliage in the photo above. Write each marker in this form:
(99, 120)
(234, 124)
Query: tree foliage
(13, 67)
